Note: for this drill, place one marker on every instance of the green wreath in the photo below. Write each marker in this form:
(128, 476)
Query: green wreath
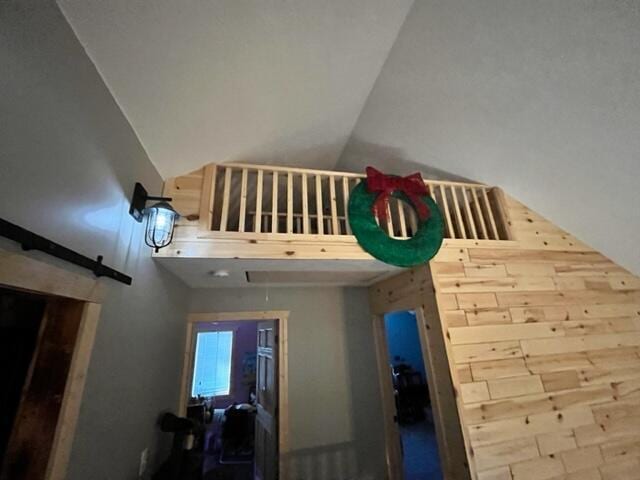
(402, 253)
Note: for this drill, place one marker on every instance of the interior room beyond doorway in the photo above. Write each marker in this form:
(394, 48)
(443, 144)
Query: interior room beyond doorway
(414, 413)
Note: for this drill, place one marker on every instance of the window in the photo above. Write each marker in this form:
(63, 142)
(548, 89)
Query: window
(212, 364)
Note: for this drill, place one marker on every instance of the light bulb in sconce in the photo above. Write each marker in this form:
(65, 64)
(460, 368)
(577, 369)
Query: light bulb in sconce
(161, 217)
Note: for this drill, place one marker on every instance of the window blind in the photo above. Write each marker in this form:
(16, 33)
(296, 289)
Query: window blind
(212, 368)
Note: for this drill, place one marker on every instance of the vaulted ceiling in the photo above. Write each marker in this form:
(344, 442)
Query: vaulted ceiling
(540, 98)
(265, 81)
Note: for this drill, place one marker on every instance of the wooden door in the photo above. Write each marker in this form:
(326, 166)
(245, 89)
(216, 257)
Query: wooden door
(266, 441)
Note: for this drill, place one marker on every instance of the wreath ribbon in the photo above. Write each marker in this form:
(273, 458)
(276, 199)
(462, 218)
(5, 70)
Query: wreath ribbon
(384, 185)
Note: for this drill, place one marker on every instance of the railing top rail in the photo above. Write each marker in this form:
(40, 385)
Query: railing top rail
(334, 173)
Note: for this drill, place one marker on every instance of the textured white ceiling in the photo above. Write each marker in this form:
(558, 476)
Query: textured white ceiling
(269, 81)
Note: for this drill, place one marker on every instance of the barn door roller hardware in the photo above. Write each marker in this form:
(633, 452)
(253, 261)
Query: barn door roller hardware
(32, 241)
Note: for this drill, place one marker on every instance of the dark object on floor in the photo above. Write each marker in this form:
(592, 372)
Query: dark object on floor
(184, 462)
(411, 394)
(238, 431)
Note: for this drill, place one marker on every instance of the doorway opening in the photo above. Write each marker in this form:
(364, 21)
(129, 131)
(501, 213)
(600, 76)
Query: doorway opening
(48, 320)
(414, 412)
(20, 320)
(235, 386)
(224, 382)
(412, 291)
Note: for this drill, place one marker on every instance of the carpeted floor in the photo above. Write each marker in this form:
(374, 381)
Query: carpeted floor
(230, 472)
(212, 468)
(421, 461)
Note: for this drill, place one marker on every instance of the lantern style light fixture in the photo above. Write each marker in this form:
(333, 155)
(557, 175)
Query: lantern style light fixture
(161, 217)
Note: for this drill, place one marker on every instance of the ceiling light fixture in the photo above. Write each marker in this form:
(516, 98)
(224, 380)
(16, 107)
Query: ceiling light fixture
(219, 273)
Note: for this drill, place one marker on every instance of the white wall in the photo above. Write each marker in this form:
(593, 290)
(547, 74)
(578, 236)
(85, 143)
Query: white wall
(68, 163)
(539, 97)
(334, 398)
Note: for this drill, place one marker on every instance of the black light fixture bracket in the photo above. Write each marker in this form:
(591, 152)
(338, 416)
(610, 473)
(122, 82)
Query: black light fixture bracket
(32, 241)
(139, 201)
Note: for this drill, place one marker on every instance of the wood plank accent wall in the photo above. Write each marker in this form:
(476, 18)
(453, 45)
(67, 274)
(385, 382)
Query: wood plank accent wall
(544, 346)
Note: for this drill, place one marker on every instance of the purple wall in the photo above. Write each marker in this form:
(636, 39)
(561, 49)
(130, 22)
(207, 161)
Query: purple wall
(245, 339)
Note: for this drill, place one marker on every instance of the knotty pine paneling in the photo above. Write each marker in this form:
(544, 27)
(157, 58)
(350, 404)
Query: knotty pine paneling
(545, 339)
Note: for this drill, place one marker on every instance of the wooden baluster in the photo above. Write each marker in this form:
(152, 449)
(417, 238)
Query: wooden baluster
(390, 230)
(413, 220)
(225, 200)
(461, 228)
(345, 198)
(258, 216)
(447, 214)
(467, 210)
(242, 217)
(319, 214)
(492, 220)
(305, 204)
(403, 221)
(432, 193)
(476, 203)
(335, 228)
(289, 202)
(208, 196)
(274, 203)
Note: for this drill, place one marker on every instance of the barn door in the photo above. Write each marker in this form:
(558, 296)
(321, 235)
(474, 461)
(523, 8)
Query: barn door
(266, 448)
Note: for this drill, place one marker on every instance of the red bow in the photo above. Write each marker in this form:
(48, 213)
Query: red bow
(412, 186)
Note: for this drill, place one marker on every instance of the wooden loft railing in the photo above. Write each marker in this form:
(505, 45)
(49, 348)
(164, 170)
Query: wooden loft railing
(241, 201)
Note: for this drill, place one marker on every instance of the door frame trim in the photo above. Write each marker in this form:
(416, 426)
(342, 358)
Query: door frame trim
(19, 271)
(282, 317)
(413, 290)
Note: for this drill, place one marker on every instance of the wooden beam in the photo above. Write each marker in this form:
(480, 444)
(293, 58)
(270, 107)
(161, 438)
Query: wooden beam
(19, 271)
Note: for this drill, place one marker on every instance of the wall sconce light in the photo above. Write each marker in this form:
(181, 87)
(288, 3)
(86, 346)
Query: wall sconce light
(161, 217)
